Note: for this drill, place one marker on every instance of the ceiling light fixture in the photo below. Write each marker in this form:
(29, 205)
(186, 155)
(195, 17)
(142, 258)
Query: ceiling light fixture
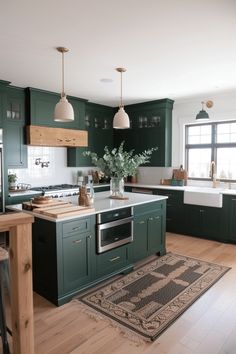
(203, 114)
(63, 110)
(121, 118)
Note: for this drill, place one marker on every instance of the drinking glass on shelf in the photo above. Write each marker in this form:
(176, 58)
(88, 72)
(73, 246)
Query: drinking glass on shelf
(140, 122)
(145, 122)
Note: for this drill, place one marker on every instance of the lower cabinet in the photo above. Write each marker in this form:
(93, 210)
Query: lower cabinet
(205, 222)
(65, 260)
(149, 230)
(77, 268)
(111, 261)
(229, 221)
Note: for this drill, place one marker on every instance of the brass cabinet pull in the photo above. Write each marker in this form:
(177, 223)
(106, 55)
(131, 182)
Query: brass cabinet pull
(142, 222)
(67, 140)
(157, 217)
(75, 228)
(114, 259)
(77, 241)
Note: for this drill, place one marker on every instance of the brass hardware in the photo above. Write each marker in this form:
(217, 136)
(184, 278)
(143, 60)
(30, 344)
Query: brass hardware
(142, 222)
(121, 70)
(89, 237)
(150, 219)
(75, 228)
(209, 104)
(62, 49)
(157, 217)
(77, 241)
(114, 259)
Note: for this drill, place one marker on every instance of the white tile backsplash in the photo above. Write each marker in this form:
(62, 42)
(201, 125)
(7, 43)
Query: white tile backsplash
(56, 173)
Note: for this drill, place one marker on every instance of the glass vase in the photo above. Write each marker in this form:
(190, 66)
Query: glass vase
(117, 187)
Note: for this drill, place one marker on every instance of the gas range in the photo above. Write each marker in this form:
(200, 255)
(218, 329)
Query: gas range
(58, 190)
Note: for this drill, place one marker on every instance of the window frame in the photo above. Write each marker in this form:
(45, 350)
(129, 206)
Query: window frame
(213, 145)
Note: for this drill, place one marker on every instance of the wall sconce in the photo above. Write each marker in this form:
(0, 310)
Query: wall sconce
(203, 114)
(42, 163)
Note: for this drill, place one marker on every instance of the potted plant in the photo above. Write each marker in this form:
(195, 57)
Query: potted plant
(118, 164)
(12, 178)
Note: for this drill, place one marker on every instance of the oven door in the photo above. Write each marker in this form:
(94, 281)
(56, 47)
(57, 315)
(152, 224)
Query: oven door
(113, 234)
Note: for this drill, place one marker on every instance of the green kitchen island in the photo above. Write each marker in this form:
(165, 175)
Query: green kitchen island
(65, 253)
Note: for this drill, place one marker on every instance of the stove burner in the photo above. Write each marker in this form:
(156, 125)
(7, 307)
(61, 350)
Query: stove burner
(55, 187)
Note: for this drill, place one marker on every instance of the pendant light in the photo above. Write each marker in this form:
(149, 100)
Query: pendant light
(121, 118)
(63, 110)
(203, 114)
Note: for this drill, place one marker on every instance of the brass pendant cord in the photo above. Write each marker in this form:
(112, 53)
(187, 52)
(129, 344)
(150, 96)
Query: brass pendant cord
(121, 84)
(63, 84)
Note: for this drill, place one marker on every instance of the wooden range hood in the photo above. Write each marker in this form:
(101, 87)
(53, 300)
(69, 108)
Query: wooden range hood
(47, 136)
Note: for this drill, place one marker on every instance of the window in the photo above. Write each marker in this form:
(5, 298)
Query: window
(211, 142)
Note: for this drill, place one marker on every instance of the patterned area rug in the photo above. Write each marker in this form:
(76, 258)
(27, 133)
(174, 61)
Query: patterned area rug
(150, 298)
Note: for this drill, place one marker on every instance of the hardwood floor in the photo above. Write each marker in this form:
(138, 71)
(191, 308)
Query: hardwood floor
(207, 327)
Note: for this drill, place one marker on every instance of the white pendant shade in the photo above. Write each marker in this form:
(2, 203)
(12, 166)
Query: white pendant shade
(63, 111)
(121, 119)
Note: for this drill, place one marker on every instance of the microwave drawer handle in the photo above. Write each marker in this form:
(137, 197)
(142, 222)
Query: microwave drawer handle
(114, 259)
(115, 223)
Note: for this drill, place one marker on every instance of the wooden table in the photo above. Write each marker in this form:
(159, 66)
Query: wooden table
(19, 226)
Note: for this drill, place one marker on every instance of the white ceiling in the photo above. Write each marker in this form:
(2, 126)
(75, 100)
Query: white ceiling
(171, 48)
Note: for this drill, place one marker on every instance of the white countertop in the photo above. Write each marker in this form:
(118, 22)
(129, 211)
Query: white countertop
(102, 203)
(184, 188)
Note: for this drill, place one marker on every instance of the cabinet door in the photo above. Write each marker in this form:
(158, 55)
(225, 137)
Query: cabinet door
(16, 150)
(211, 222)
(193, 220)
(140, 243)
(76, 261)
(98, 123)
(232, 220)
(155, 233)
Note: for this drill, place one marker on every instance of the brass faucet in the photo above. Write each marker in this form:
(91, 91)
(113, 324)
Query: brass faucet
(215, 183)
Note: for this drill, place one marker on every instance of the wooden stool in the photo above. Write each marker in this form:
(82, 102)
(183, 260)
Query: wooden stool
(4, 277)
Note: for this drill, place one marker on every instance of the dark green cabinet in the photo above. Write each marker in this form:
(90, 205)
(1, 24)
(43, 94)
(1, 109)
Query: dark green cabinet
(202, 221)
(151, 126)
(40, 109)
(14, 129)
(98, 122)
(149, 230)
(228, 230)
(77, 260)
(112, 261)
(175, 221)
(63, 255)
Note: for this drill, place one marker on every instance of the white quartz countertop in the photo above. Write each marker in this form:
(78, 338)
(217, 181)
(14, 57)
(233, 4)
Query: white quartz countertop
(102, 203)
(184, 188)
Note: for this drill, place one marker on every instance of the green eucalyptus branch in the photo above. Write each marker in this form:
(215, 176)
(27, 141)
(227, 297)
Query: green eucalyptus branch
(118, 162)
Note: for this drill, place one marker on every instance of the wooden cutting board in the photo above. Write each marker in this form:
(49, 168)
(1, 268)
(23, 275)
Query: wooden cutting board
(52, 204)
(63, 211)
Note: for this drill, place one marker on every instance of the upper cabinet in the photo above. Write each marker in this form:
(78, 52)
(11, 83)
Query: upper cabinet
(40, 109)
(151, 126)
(98, 122)
(14, 128)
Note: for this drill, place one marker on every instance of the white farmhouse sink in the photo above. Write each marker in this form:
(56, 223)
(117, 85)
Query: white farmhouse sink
(203, 196)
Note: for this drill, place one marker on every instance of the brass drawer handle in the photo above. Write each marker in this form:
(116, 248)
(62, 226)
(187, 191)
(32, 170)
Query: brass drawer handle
(75, 228)
(157, 217)
(114, 259)
(142, 222)
(77, 241)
